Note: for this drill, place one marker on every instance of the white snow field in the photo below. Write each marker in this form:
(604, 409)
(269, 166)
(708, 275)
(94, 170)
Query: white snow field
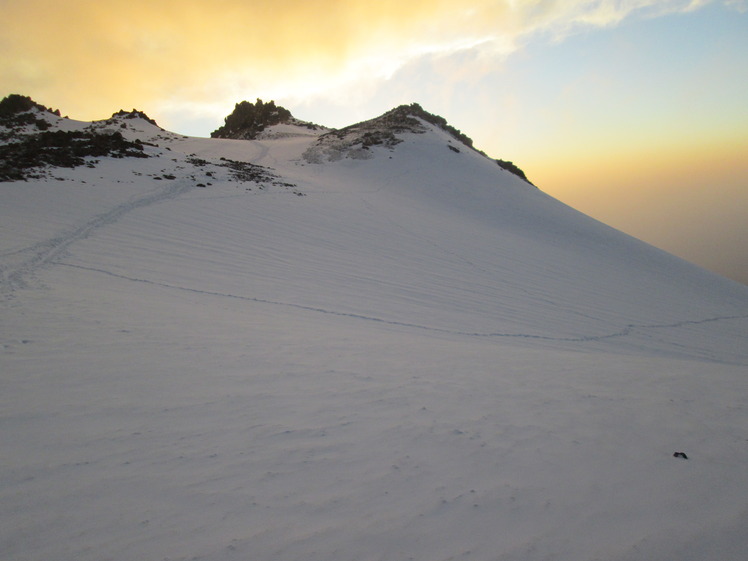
(392, 354)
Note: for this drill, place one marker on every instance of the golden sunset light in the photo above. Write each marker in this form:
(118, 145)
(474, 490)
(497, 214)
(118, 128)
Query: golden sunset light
(616, 108)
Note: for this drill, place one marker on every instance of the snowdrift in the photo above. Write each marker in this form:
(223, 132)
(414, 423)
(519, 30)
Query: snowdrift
(371, 344)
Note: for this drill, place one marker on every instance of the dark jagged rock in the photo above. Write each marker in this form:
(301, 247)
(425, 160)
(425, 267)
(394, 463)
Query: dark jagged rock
(512, 168)
(134, 114)
(249, 119)
(404, 114)
(19, 111)
(27, 157)
(29, 151)
(15, 103)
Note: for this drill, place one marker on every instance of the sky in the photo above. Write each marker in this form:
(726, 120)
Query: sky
(632, 111)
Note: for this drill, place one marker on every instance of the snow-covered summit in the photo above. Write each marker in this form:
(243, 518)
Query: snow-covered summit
(423, 358)
(387, 131)
(358, 141)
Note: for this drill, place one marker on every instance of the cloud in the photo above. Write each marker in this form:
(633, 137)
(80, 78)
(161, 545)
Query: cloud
(91, 57)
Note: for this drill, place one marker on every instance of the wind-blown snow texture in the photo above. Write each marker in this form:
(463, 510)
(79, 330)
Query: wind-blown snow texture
(296, 348)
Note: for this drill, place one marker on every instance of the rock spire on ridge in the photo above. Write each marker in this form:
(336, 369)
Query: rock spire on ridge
(249, 119)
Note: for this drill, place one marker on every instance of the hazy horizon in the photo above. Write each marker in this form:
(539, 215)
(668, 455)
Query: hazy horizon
(632, 112)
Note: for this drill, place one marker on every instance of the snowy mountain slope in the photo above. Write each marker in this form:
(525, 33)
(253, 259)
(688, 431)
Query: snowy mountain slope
(410, 355)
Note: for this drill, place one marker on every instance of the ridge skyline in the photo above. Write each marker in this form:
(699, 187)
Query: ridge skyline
(506, 164)
(303, 348)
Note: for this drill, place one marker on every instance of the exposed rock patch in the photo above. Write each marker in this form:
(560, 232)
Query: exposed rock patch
(134, 114)
(512, 168)
(18, 111)
(28, 157)
(248, 120)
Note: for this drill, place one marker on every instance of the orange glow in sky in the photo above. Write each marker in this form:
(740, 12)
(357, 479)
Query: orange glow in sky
(632, 111)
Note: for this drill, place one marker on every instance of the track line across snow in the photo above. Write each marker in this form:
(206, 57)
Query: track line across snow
(14, 272)
(627, 330)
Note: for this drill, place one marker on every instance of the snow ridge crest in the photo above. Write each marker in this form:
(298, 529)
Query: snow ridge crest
(387, 130)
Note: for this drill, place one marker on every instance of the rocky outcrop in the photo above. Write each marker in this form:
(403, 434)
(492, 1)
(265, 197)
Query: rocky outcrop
(512, 168)
(248, 120)
(18, 111)
(30, 155)
(30, 146)
(134, 114)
